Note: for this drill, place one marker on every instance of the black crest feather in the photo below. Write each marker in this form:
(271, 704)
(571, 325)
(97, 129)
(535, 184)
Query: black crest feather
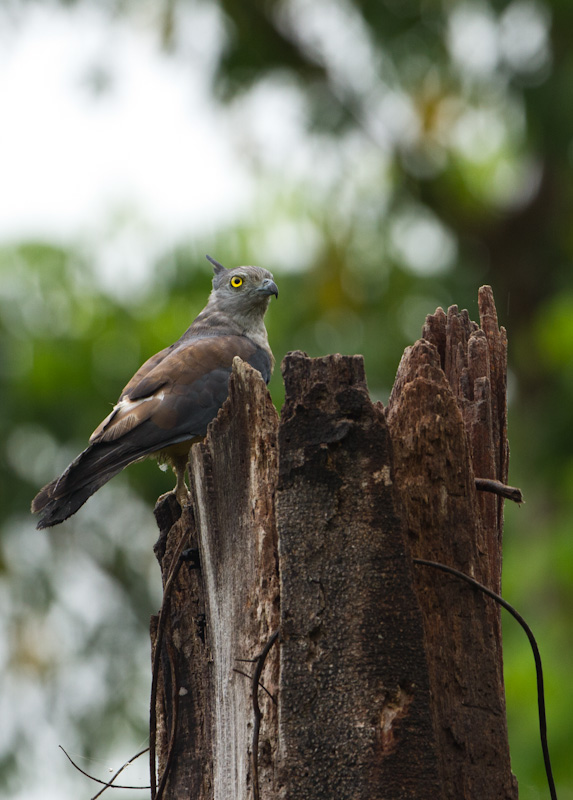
(218, 267)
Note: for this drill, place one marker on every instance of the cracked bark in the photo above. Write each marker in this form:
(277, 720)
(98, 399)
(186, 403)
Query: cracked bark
(448, 422)
(388, 676)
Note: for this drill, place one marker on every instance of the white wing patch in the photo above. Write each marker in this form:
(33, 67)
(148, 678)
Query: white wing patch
(125, 416)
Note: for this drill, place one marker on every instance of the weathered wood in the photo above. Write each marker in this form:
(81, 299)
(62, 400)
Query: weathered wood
(233, 483)
(233, 475)
(184, 695)
(474, 360)
(447, 425)
(355, 718)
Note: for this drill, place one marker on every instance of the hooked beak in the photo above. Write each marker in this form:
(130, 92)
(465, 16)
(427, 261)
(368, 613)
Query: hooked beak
(269, 287)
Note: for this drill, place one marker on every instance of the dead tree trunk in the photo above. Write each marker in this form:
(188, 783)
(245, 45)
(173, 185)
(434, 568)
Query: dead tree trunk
(386, 682)
(224, 611)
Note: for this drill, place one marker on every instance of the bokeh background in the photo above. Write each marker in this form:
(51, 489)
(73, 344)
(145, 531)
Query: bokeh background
(381, 157)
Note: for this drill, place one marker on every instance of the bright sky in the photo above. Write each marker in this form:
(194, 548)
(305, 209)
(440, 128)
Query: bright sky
(153, 143)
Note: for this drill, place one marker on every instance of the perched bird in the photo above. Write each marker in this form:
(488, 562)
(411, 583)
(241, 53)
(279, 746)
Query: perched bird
(171, 399)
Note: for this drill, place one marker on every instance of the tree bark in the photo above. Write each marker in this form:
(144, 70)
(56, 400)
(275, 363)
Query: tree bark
(447, 420)
(183, 703)
(355, 717)
(387, 679)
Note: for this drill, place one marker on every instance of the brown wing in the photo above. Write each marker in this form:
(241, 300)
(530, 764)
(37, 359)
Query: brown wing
(173, 401)
(177, 396)
(146, 368)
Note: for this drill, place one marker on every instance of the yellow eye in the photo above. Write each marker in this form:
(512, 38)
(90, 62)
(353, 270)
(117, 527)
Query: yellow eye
(236, 281)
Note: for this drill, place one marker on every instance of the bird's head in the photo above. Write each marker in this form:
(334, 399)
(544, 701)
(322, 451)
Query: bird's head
(243, 291)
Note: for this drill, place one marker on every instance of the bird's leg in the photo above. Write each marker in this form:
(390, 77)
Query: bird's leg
(181, 490)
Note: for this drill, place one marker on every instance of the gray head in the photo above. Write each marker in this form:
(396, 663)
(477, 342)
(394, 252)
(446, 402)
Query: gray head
(242, 291)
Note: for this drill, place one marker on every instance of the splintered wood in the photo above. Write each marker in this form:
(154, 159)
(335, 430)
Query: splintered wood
(222, 614)
(386, 678)
(447, 420)
(474, 360)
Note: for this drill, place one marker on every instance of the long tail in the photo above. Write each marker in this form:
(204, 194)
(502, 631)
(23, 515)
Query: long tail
(88, 472)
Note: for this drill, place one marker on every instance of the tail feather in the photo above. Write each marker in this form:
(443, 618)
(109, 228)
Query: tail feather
(96, 465)
(93, 467)
(58, 509)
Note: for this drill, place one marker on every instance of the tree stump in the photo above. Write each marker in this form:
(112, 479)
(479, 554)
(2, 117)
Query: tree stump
(386, 682)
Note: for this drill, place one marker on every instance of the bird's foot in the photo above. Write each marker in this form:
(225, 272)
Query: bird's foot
(183, 496)
(165, 495)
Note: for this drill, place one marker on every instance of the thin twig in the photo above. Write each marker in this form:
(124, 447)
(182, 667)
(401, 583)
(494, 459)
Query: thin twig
(111, 784)
(257, 711)
(106, 784)
(177, 561)
(250, 677)
(499, 488)
(536, 656)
